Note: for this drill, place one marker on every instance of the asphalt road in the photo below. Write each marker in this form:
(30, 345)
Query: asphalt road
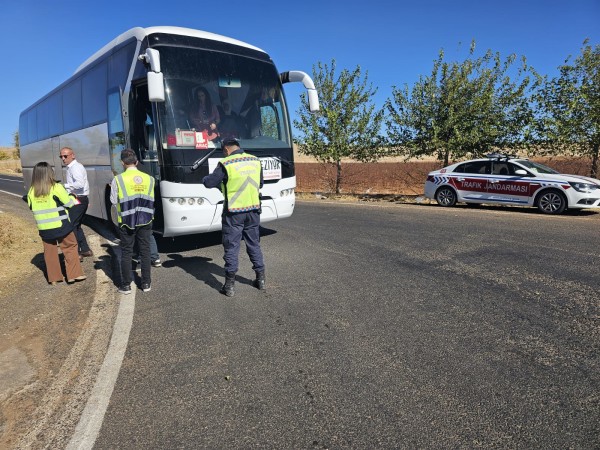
(384, 326)
(12, 184)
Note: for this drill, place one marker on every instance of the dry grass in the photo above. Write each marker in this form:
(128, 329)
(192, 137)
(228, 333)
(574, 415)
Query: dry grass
(19, 244)
(11, 164)
(382, 178)
(394, 178)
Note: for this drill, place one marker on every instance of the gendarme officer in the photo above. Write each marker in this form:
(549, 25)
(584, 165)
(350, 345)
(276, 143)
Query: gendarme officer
(239, 176)
(133, 193)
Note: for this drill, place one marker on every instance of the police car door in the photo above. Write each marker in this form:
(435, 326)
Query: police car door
(471, 179)
(505, 186)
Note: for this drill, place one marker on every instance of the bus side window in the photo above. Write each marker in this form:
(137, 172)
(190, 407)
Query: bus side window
(268, 119)
(116, 134)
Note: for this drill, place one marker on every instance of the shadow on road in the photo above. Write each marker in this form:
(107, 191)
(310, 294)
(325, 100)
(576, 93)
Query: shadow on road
(515, 209)
(203, 269)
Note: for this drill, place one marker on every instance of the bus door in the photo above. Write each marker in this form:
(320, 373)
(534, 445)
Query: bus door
(143, 139)
(60, 172)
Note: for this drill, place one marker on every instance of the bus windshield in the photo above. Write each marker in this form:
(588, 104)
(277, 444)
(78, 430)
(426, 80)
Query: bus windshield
(211, 96)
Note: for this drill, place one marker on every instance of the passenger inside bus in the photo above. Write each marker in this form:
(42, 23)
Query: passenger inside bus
(253, 112)
(231, 125)
(203, 115)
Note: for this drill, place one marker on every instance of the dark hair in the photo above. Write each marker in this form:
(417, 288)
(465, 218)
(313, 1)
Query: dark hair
(208, 103)
(230, 142)
(128, 157)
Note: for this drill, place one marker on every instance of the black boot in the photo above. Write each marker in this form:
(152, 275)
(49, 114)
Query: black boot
(260, 282)
(227, 288)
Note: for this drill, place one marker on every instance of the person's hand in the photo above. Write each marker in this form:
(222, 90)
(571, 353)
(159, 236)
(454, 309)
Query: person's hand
(213, 126)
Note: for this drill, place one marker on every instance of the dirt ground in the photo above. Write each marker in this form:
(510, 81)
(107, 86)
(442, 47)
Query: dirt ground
(8, 161)
(393, 178)
(39, 323)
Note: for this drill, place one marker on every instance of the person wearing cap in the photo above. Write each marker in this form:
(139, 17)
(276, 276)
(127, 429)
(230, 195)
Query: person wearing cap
(133, 193)
(239, 176)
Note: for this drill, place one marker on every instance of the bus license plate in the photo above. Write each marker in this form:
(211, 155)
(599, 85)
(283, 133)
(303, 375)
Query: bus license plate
(271, 168)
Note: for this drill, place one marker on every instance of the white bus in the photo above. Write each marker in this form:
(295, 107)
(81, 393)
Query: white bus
(139, 91)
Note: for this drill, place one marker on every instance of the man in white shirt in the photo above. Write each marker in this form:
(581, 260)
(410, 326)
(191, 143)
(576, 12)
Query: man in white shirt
(77, 185)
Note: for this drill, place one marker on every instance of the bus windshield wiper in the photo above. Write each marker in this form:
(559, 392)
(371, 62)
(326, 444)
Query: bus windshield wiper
(201, 160)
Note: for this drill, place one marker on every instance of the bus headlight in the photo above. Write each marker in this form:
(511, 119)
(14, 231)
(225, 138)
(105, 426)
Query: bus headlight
(184, 200)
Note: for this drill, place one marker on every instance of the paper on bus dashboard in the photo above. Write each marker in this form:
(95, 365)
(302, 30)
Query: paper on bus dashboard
(271, 167)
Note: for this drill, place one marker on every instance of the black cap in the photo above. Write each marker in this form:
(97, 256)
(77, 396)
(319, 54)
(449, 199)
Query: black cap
(230, 141)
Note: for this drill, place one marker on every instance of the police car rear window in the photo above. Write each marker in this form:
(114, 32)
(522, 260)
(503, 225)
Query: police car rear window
(479, 167)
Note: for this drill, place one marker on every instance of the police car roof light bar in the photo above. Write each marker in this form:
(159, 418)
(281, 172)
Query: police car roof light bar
(500, 156)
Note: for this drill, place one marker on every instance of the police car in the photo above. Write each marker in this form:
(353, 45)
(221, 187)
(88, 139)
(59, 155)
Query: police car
(505, 179)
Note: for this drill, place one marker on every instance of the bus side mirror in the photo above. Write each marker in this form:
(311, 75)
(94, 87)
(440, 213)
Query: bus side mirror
(156, 85)
(313, 100)
(295, 76)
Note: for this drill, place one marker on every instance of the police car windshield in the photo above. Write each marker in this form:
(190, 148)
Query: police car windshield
(536, 167)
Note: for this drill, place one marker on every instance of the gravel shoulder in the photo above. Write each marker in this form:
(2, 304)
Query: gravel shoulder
(53, 338)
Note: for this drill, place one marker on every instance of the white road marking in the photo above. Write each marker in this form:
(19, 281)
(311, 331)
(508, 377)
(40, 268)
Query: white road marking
(10, 193)
(92, 417)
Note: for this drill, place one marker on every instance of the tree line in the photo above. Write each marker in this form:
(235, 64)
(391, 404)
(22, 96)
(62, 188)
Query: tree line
(460, 110)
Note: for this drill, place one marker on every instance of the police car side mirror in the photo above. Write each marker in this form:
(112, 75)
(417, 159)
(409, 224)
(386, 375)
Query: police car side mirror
(521, 172)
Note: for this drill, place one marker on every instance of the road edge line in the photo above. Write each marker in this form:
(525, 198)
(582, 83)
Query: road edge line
(91, 419)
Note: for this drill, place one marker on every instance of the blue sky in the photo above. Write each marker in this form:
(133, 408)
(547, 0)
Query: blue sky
(396, 41)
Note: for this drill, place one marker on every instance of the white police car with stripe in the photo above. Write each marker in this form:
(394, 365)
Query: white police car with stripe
(504, 179)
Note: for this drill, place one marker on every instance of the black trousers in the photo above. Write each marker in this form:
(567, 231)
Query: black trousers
(76, 214)
(129, 237)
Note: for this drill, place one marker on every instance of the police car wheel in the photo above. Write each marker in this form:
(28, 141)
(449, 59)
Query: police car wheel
(551, 202)
(445, 196)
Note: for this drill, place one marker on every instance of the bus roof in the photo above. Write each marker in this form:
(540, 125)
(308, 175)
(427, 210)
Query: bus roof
(140, 33)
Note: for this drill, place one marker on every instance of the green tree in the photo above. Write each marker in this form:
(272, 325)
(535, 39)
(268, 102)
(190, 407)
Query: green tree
(16, 143)
(347, 125)
(462, 109)
(569, 106)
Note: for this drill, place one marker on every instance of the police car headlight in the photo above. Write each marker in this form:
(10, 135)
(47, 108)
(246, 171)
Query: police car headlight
(191, 201)
(181, 201)
(172, 200)
(200, 201)
(583, 187)
(286, 192)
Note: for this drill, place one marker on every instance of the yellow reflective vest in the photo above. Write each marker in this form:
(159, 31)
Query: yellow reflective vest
(50, 213)
(243, 182)
(135, 191)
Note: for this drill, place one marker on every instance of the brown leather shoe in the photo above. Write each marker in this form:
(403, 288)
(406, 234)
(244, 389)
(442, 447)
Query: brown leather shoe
(88, 253)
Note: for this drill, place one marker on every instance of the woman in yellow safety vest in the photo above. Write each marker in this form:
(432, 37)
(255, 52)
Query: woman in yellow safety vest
(49, 200)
